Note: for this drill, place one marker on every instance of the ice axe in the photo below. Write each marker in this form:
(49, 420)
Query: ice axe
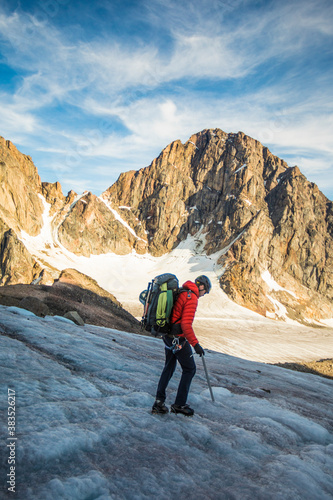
(208, 382)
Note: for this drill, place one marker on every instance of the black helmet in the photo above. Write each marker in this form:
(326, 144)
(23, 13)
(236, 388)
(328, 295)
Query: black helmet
(203, 280)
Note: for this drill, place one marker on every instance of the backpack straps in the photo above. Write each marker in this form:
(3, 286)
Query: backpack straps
(179, 291)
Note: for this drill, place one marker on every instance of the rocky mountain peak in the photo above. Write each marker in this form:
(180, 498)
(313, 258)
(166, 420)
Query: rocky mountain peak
(214, 178)
(20, 185)
(269, 229)
(258, 213)
(52, 193)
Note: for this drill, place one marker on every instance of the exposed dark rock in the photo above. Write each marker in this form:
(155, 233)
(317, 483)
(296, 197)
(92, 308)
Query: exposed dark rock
(64, 297)
(16, 263)
(75, 317)
(34, 305)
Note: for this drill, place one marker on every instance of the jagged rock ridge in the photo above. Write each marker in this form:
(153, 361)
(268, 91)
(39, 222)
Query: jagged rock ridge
(22, 206)
(245, 200)
(255, 213)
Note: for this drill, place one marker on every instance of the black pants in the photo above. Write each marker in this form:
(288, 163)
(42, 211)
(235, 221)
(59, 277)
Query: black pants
(185, 359)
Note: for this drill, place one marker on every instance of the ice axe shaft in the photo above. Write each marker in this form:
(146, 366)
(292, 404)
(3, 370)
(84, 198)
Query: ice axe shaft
(208, 382)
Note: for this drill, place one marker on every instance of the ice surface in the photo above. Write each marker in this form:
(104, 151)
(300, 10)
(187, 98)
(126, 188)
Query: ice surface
(85, 431)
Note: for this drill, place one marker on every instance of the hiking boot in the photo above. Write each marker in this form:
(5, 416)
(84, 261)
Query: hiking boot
(185, 410)
(159, 407)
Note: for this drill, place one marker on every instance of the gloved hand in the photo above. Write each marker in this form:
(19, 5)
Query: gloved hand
(199, 350)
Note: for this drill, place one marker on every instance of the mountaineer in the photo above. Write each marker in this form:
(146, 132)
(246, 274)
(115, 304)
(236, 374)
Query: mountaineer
(178, 347)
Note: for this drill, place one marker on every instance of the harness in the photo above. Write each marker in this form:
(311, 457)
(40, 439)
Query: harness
(176, 344)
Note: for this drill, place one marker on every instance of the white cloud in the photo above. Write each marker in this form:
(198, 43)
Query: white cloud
(15, 121)
(62, 71)
(205, 57)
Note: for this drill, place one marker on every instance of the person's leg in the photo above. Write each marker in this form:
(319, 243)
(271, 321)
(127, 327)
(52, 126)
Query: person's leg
(168, 371)
(185, 358)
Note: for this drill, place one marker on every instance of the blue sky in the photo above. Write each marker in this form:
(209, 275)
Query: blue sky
(92, 89)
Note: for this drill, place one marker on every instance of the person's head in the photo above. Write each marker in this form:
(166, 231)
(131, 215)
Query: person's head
(204, 285)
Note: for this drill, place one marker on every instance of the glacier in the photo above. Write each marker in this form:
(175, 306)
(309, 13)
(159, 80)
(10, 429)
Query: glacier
(84, 429)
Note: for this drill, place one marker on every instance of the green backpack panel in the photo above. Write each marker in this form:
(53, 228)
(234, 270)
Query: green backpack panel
(158, 302)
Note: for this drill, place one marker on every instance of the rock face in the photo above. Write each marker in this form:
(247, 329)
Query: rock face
(21, 208)
(215, 180)
(53, 195)
(34, 305)
(20, 185)
(292, 238)
(270, 230)
(16, 263)
(91, 228)
(261, 215)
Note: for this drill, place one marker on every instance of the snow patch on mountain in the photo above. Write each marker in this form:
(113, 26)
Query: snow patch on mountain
(273, 285)
(220, 323)
(120, 219)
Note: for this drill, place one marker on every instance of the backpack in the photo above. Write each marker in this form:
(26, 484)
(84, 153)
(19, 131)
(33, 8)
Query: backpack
(158, 301)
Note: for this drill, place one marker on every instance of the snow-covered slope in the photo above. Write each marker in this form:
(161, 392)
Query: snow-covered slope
(84, 428)
(220, 323)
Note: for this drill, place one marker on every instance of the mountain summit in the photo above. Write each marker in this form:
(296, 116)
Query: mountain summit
(260, 217)
(268, 228)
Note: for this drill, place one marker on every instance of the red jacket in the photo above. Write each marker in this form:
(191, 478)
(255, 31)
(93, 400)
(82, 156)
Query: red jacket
(184, 310)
